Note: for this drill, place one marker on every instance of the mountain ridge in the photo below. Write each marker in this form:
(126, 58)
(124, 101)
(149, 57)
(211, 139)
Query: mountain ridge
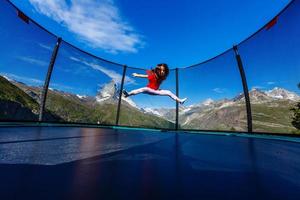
(270, 109)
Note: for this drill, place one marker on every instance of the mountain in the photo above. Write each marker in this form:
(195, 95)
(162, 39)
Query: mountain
(206, 102)
(270, 109)
(109, 93)
(17, 104)
(19, 101)
(131, 114)
(259, 96)
(280, 93)
(165, 113)
(270, 112)
(256, 96)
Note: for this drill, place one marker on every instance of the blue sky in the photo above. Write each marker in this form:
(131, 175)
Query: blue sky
(144, 33)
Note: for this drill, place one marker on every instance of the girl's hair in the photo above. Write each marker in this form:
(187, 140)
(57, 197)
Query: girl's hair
(157, 69)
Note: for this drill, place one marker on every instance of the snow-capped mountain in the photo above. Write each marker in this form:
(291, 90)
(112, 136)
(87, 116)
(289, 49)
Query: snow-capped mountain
(7, 78)
(209, 111)
(256, 96)
(109, 93)
(280, 93)
(208, 102)
(260, 96)
(166, 113)
(208, 114)
(152, 111)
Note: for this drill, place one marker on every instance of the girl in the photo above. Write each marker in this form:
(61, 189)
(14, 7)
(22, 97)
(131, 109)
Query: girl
(156, 77)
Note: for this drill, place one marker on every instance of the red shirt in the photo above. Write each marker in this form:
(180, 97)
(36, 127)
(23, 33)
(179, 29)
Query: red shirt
(153, 80)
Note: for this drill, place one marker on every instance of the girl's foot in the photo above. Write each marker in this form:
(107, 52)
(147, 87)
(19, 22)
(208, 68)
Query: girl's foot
(125, 93)
(183, 100)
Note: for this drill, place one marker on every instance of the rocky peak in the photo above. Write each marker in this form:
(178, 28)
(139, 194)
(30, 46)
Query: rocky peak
(257, 95)
(280, 93)
(107, 92)
(207, 102)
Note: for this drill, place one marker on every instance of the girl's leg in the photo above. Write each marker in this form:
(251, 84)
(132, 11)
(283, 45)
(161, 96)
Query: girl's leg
(165, 93)
(137, 91)
(170, 94)
(156, 92)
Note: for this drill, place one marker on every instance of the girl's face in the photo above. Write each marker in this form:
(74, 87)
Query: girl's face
(161, 71)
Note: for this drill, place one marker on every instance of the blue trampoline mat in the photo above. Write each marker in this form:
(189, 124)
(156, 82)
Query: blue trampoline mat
(99, 163)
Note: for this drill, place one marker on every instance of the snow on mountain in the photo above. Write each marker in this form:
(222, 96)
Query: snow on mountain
(110, 93)
(186, 109)
(259, 96)
(81, 96)
(256, 97)
(152, 111)
(166, 113)
(227, 104)
(208, 102)
(204, 104)
(280, 93)
(7, 78)
(107, 92)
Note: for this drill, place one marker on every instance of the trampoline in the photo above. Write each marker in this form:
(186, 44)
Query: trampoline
(64, 137)
(101, 163)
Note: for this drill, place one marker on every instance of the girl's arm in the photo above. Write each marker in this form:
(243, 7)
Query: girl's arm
(140, 75)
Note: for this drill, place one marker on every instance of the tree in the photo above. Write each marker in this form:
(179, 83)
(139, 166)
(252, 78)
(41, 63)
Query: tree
(296, 114)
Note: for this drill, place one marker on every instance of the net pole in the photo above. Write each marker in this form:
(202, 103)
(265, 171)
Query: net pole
(48, 77)
(177, 94)
(245, 88)
(120, 95)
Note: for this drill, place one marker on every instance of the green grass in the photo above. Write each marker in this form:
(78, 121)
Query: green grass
(273, 119)
(134, 117)
(73, 110)
(10, 92)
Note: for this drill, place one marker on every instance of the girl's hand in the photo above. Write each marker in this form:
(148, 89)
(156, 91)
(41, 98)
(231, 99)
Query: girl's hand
(134, 74)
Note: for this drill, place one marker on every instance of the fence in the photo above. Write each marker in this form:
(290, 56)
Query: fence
(249, 88)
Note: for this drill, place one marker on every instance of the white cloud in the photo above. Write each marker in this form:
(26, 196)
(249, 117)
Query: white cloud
(98, 23)
(26, 80)
(219, 90)
(33, 61)
(34, 81)
(110, 73)
(45, 46)
(270, 83)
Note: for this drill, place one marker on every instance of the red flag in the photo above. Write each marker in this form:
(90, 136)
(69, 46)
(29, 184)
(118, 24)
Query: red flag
(23, 17)
(271, 23)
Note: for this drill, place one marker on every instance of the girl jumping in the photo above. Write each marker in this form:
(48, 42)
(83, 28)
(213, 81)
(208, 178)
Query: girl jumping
(156, 77)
